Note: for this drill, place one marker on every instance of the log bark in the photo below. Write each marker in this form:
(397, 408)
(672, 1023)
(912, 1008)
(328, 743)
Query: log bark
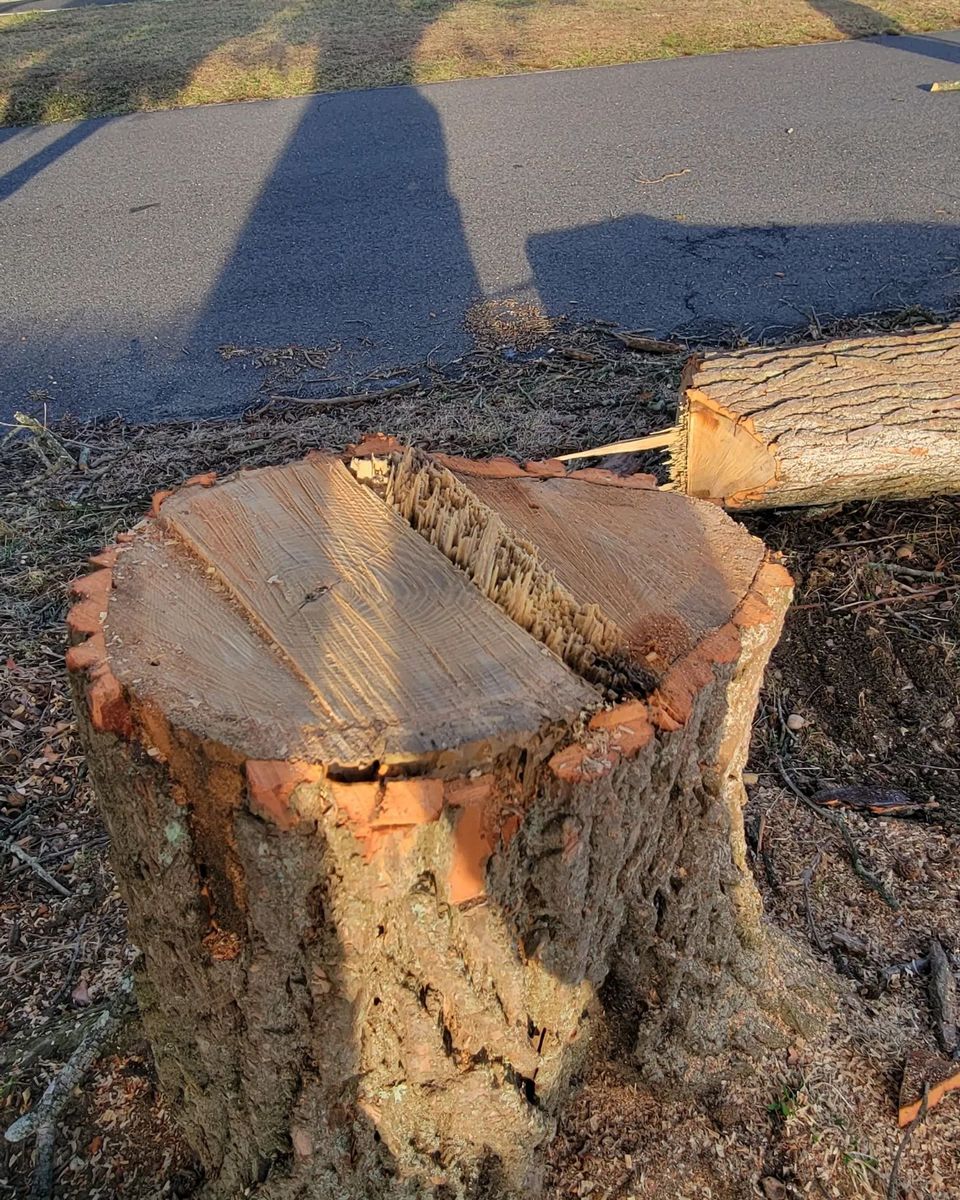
(850, 419)
(409, 766)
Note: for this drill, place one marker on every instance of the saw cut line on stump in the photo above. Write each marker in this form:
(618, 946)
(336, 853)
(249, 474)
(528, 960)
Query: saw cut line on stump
(818, 423)
(402, 758)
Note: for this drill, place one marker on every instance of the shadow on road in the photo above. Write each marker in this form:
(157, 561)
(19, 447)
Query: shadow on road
(726, 281)
(14, 6)
(25, 170)
(355, 235)
(853, 20)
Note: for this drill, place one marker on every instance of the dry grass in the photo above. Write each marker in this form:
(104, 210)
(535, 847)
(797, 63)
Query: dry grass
(817, 1121)
(92, 61)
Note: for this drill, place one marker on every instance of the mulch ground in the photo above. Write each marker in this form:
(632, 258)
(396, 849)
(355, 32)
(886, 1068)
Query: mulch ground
(862, 693)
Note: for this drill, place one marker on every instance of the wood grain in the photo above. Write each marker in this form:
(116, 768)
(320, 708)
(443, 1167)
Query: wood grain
(398, 654)
(668, 572)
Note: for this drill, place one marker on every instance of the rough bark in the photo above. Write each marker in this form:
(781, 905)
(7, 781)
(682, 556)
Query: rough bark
(376, 917)
(855, 418)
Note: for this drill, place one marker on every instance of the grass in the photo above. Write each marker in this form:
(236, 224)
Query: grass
(86, 62)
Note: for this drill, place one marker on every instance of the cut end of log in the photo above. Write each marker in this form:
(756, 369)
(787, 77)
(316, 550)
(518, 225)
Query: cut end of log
(871, 417)
(718, 456)
(922, 1070)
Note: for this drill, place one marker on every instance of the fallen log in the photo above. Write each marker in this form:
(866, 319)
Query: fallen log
(402, 758)
(818, 423)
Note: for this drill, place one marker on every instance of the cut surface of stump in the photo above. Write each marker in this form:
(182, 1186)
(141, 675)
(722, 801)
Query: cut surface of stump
(403, 758)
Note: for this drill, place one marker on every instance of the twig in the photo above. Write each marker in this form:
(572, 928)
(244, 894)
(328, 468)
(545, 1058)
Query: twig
(35, 867)
(765, 857)
(807, 878)
(910, 572)
(664, 178)
(894, 1181)
(72, 966)
(345, 401)
(44, 436)
(837, 820)
(920, 594)
(647, 345)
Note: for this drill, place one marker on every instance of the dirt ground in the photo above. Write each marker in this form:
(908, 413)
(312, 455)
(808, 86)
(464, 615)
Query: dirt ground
(863, 691)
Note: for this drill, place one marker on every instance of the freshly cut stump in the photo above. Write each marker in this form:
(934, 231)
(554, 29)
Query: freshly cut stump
(851, 419)
(402, 758)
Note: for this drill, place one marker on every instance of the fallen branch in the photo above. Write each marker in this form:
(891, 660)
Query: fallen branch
(41, 1185)
(836, 819)
(816, 423)
(41, 873)
(942, 990)
(894, 1181)
(58, 1090)
(41, 1121)
(349, 401)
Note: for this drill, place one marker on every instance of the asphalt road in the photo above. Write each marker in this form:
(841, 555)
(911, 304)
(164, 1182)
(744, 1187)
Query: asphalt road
(824, 179)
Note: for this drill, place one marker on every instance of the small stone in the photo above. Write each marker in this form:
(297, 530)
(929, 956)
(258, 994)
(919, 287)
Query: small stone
(750, 778)
(773, 1189)
(302, 1142)
(795, 722)
(80, 994)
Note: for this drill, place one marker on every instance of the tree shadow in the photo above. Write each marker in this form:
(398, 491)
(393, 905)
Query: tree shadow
(344, 222)
(722, 281)
(853, 19)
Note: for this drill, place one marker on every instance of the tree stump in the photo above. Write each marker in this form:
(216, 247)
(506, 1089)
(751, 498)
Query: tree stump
(402, 758)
